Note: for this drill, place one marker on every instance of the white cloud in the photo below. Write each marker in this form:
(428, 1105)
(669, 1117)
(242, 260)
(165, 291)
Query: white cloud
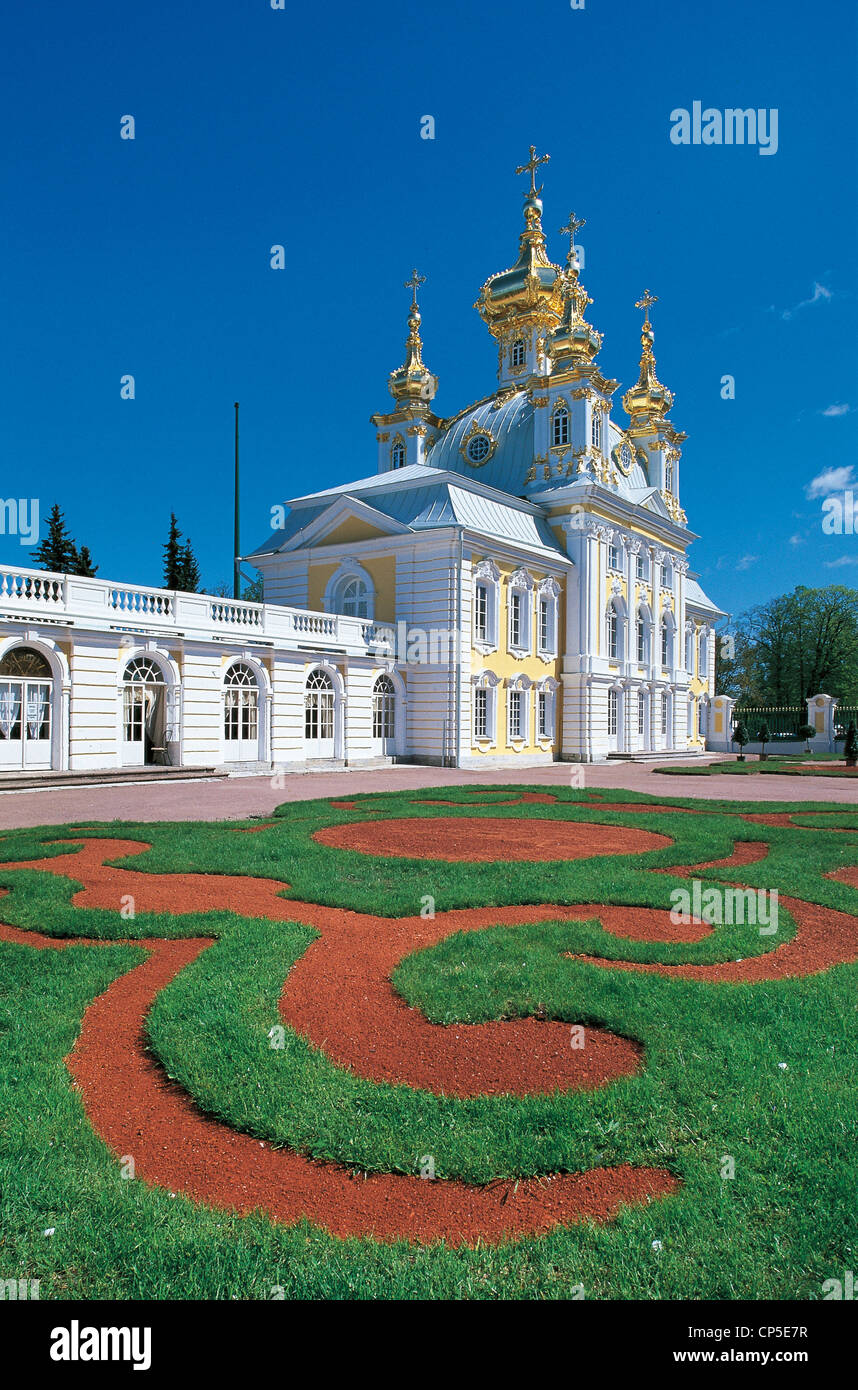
(746, 561)
(844, 560)
(832, 411)
(831, 480)
(796, 540)
(820, 294)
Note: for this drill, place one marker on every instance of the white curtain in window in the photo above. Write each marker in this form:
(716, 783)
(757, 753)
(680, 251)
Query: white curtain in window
(10, 707)
(37, 700)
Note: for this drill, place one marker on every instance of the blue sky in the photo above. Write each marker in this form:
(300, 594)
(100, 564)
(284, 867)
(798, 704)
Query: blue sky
(301, 127)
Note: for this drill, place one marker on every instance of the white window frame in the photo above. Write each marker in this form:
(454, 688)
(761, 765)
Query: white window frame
(518, 352)
(613, 712)
(596, 430)
(487, 681)
(560, 426)
(548, 593)
(487, 574)
(520, 584)
(546, 696)
(518, 691)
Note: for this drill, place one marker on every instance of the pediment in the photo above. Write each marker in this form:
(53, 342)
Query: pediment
(344, 522)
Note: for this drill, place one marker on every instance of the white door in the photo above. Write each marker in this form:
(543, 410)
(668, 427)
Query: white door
(142, 713)
(241, 715)
(384, 717)
(25, 723)
(319, 710)
(613, 721)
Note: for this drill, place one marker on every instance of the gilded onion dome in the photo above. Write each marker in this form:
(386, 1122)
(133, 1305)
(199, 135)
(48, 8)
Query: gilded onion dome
(529, 293)
(413, 382)
(575, 342)
(648, 401)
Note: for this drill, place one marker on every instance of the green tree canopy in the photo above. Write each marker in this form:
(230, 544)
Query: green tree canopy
(797, 645)
(58, 551)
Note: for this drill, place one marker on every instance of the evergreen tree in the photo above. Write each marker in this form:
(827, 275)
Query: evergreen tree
(56, 551)
(764, 736)
(173, 556)
(850, 747)
(741, 736)
(82, 563)
(189, 570)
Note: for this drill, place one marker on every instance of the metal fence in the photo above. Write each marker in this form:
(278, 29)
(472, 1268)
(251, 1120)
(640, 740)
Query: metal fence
(784, 721)
(843, 715)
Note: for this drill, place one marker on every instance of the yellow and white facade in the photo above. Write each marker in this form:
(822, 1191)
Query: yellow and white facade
(509, 587)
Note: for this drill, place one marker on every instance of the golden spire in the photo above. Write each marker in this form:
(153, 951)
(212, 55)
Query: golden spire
(575, 342)
(413, 382)
(526, 298)
(648, 401)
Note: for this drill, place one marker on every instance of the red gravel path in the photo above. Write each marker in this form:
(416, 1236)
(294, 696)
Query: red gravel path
(486, 839)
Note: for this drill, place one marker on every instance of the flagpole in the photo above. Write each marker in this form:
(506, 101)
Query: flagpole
(236, 579)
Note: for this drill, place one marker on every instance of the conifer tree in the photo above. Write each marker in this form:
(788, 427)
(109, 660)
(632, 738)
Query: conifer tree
(82, 563)
(173, 556)
(56, 551)
(189, 570)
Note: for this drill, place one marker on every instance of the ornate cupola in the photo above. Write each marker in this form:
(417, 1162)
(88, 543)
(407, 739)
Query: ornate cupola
(647, 404)
(406, 432)
(522, 305)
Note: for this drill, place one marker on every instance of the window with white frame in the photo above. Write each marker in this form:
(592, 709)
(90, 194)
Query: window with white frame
(664, 712)
(481, 613)
(384, 708)
(596, 430)
(516, 714)
(546, 610)
(665, 644)
(689, 650)
(641, 714)
(613, 556)
(613, 707)
(481, 712)
(703, 655)
(668, 475)
(640, 634)
(667, 574)
(642, 565)
(545, 706)
(397, 455)
(613, 633)
(485, 601)
(519, 607)
(517, 353)
(701, 719)
(560, 426)
(484, 707)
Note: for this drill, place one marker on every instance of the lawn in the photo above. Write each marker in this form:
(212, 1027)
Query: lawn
(744, 1093)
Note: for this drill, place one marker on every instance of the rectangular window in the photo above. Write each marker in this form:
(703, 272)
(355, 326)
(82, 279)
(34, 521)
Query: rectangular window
(663, 713)
(515, 616)
(481, 713)
(481, 613)
(613, 641)
(641, 632)
(612, 712)
(596, 431)
(664, 644)
(560, 428)
(641, 716)
(613, 557)
(642, 567)
(545, 714)
(516, 719)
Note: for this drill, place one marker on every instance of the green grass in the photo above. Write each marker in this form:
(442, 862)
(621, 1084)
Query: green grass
(783, 764)
(711, 1086)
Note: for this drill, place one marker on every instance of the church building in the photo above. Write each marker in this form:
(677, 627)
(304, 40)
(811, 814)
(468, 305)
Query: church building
(510, 586)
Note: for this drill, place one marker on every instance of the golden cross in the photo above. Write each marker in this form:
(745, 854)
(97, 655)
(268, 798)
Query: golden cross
(412, 285)
(573, 225)
(531, 167)
(644, 302)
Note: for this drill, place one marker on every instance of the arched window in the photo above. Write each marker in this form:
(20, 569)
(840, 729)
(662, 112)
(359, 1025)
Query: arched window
(560, 426)
(319, 707)
(596, 430)
(25, 662)
(354, 599)
(143, 734)
(144, 669)
(397, 454)
(517, 353)
(241, 706)
(383, 709)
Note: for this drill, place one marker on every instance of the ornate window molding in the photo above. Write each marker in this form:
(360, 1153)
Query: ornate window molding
(350, 585)
(486, 605)
(519, 604)
(484, 687)
(546, 710)
(474, 454)
(518, 710)
(547, 610)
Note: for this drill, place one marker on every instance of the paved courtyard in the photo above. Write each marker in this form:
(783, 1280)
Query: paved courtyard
(236, 798)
